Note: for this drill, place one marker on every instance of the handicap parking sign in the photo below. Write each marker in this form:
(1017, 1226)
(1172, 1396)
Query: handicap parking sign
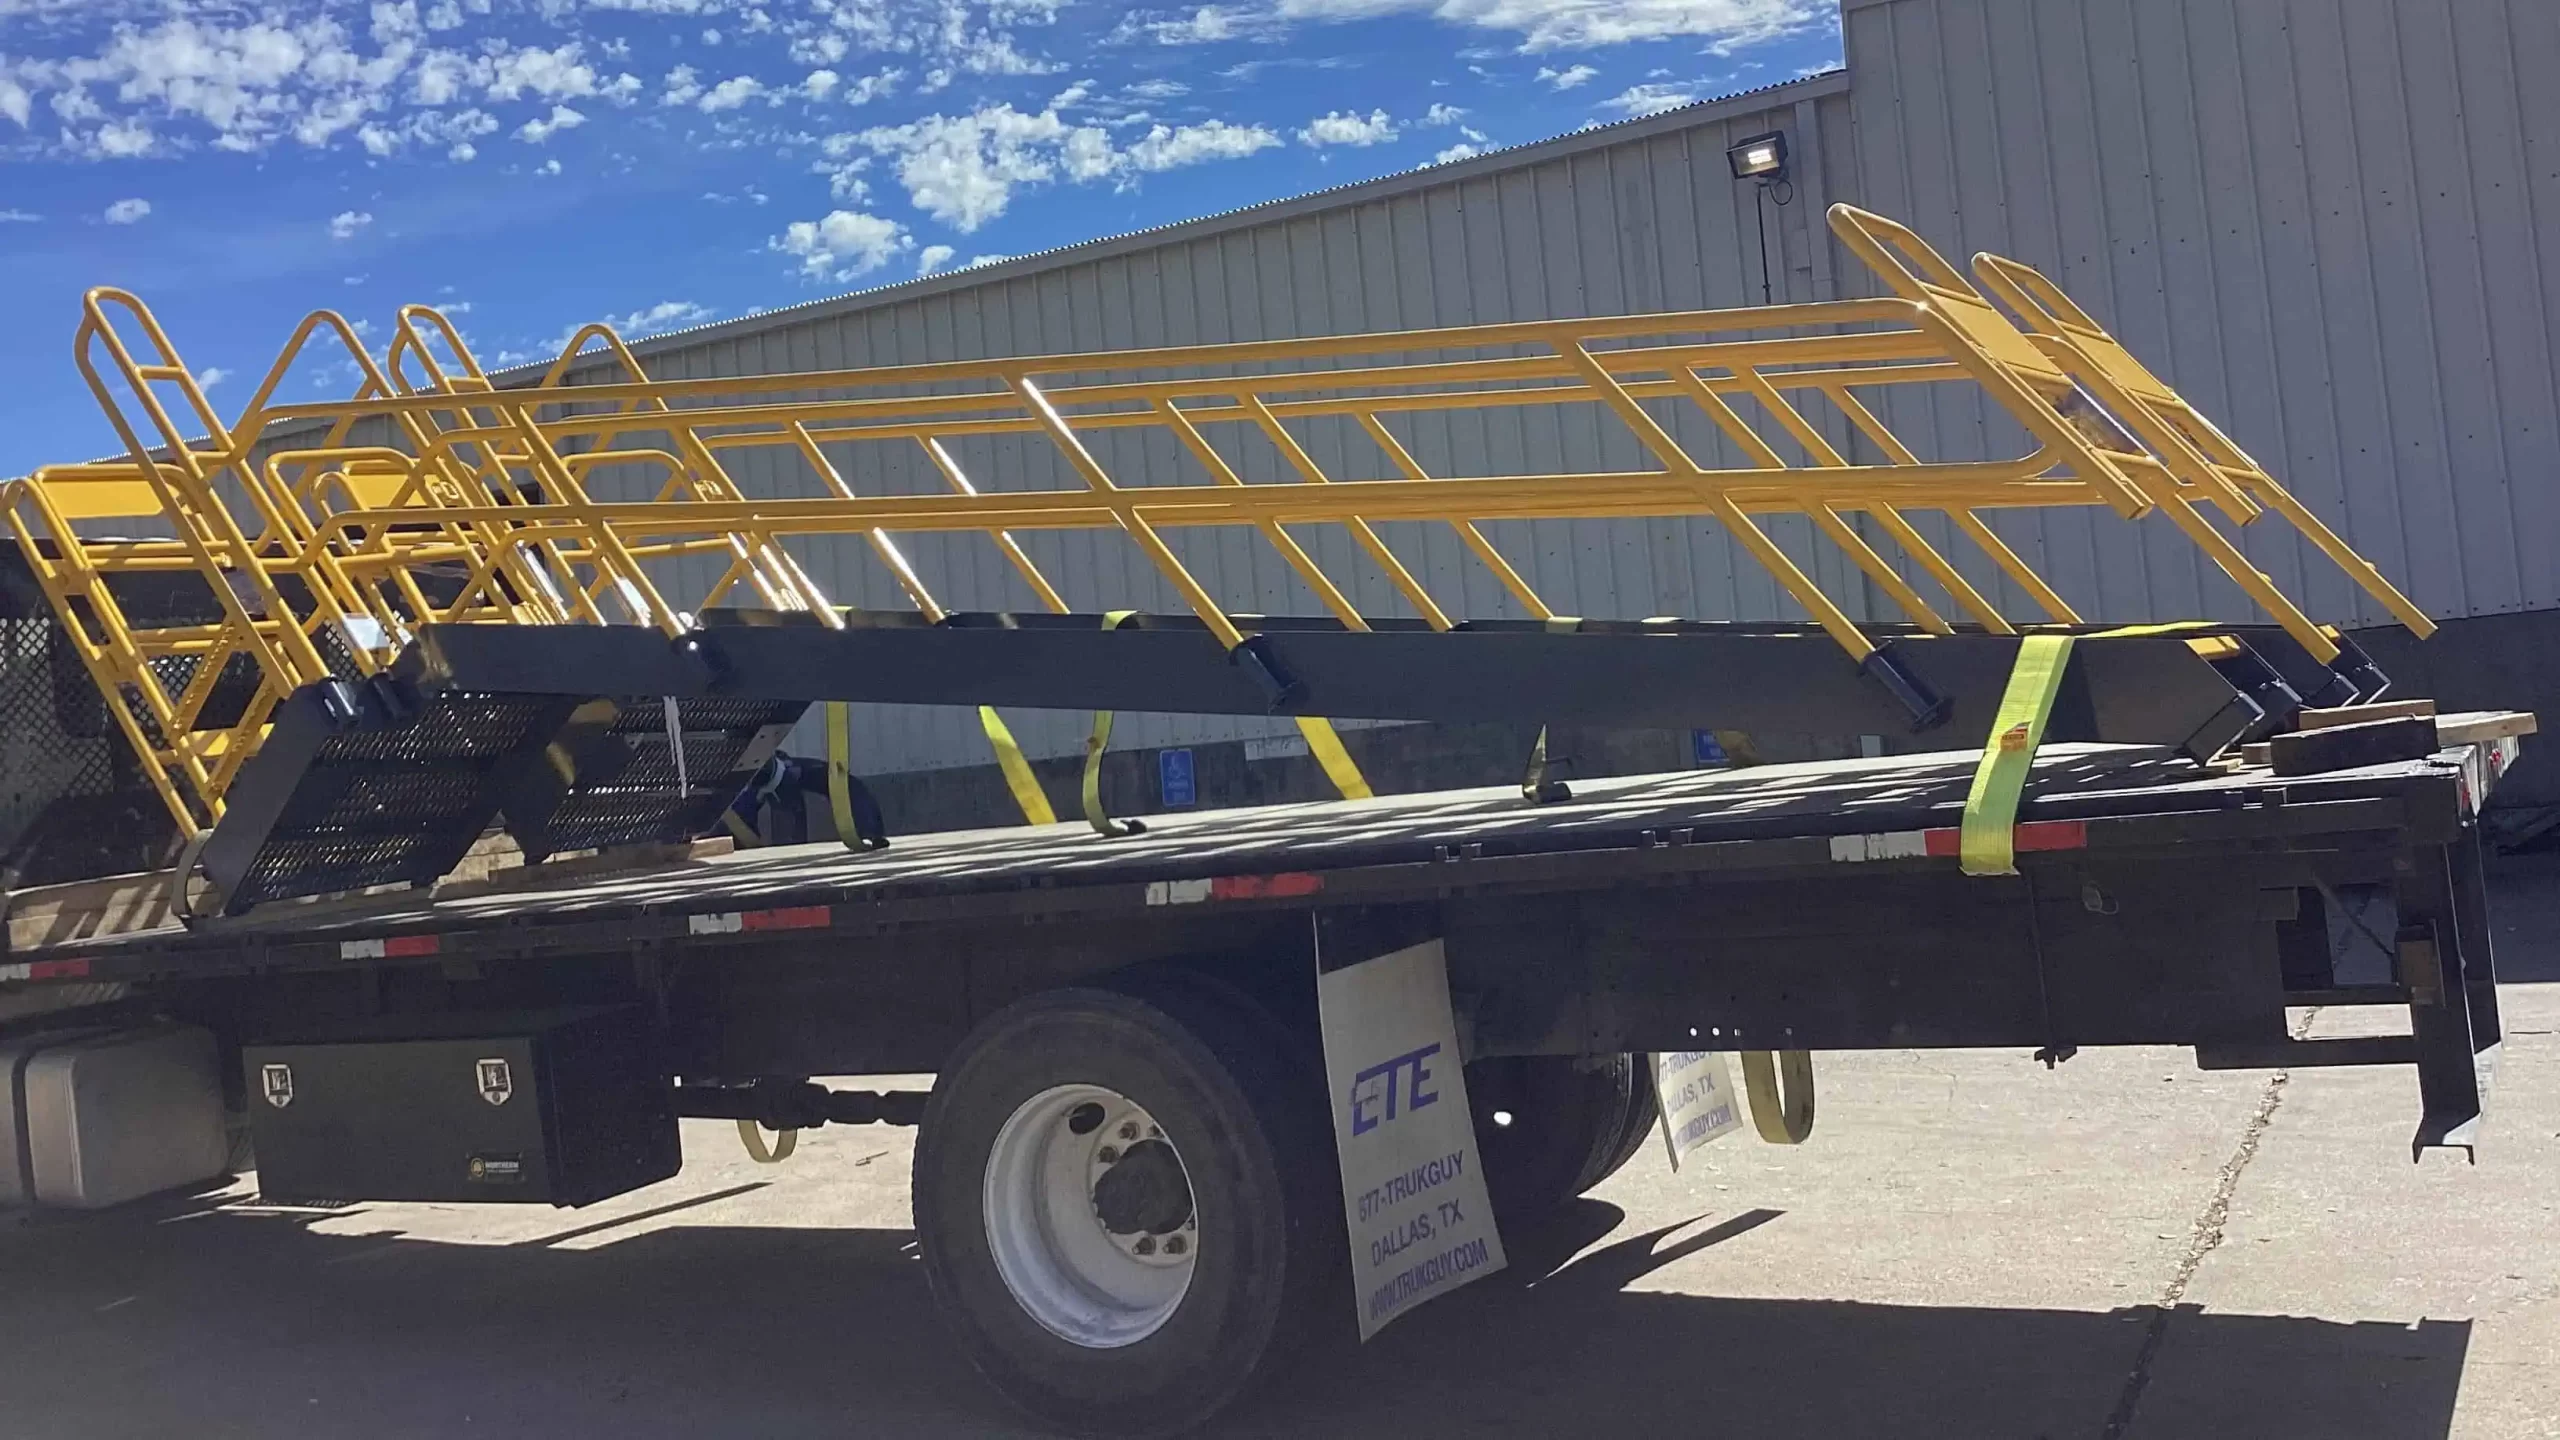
(1175, 779)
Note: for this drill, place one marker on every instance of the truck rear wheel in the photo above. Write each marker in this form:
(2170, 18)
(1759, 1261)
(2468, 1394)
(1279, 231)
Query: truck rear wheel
(1125, 1202)
(1553, 1126)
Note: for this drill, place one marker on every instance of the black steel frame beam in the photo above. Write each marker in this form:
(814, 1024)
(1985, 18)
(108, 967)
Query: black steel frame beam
(2135, 690)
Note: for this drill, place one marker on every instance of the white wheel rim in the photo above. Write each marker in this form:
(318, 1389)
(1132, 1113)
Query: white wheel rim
(1066, 1266)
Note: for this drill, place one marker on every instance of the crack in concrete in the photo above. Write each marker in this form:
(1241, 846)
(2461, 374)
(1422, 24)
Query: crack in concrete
(2203, 1238)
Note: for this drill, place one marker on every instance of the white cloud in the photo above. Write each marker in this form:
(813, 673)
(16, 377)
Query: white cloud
(932, 258)
(122, 140)
(464, 152)
(345, 224)
(441, 76)
(1652, 98)
(1164, 149)
(1156, 90)
(824, 48)
(1566, 78)
(548, 167)
(820, 84)
(729, 94)
(537, 131)
(1573, 24)
(1348, 127)
(962, 170)
(15, 102)
(454, 129)
(683, 87)
(977, 260)
(210, 376)
(711, 37)
(656, 320)
(1460, 151)
(19, 217)
(844, 245)
(555, 74)
(1440, 114)
(126, 212)
(1206, 25)
(622, 89)
(874, 86)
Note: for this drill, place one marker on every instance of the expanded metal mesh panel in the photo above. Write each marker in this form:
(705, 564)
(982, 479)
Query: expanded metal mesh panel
(639, 800)
(321, 864)
(369, 795)
(456, 727)
(386, 807)
(596, 819)
(72, 802)
(646, 715)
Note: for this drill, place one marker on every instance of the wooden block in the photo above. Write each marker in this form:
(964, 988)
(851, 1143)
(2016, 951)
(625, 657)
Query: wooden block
(619, 860)
(88, 909)
(2474, 726)
(2358, 714)
(2344, 747)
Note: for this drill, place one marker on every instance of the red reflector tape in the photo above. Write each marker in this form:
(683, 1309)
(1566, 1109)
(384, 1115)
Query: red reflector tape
(792, 917)
(45, 970)
(2033, 835)
(391, 948)
(1265, 887)
(1233, 887)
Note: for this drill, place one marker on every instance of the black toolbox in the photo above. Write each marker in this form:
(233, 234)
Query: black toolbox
(563, 1107)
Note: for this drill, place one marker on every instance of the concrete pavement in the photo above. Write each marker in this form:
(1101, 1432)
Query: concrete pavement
(2122, 1249)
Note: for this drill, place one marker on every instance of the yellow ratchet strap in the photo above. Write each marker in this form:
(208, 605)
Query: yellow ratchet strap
(1017, 770)
(1326, 746)
(840, 772)
(1100, 740)
(752, 1136)
(1987, 843)
(1781, 1119)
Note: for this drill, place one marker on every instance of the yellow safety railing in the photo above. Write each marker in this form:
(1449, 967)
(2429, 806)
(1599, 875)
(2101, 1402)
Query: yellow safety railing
(434, 494)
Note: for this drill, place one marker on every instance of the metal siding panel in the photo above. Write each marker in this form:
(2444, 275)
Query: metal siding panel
(2495, 47)
(2452, 290)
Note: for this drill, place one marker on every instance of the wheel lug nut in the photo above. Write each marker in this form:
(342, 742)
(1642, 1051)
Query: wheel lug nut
(1175, 1245)
(1109, 1154)
(1128, 1129)
(1146, 1245)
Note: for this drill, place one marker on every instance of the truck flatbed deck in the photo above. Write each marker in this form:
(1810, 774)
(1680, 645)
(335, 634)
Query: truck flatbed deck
(1798, 906)
(1447, 844)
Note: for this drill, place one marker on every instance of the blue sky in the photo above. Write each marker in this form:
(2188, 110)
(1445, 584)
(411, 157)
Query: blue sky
(534, 164)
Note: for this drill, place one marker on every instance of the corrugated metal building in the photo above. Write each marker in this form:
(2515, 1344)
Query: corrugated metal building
(2321, 219)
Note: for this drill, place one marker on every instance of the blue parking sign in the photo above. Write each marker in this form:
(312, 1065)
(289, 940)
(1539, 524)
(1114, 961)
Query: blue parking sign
(1175, 779)
(1704, 749)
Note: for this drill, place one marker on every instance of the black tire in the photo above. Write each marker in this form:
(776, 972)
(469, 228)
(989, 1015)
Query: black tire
(1643, 1116)
(1248, 1118)
(1567, 1127)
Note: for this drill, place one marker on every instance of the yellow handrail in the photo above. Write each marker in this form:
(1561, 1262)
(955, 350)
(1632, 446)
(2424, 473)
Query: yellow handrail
(434, 494)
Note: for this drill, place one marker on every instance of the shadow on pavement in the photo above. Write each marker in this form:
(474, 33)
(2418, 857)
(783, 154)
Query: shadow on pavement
(2524, 914)
(142, 1324)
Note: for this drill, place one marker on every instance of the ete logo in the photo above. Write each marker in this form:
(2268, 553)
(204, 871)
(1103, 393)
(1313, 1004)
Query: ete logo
(1373, 1091)
(276, 1083)
(497, 1082)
